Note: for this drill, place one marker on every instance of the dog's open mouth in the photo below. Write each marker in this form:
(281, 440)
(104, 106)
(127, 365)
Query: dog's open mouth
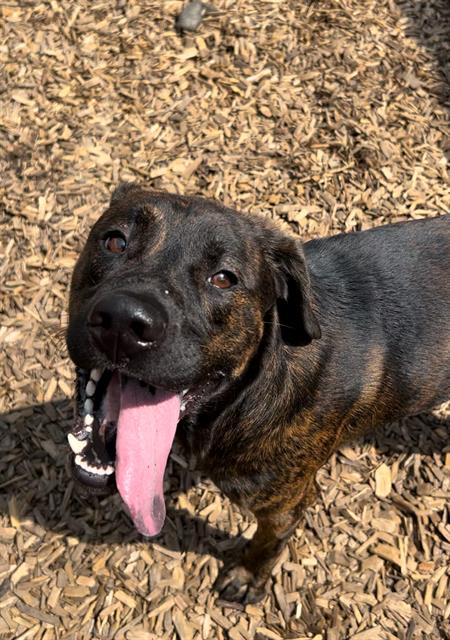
(126, 428)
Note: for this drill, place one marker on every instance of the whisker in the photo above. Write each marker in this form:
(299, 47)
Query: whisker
(278, 324)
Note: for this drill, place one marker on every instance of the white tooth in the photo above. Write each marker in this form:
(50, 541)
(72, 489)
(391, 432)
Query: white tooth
(184, 392)
(183, 406)
(88, 419)
(92, 469)
(96, 374)
(76, 445)
(90, 388)
(89, 405)
(88, 429)
(84, 465)
(104, 470)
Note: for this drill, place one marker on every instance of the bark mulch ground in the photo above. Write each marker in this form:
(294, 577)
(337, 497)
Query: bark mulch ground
(328, 114)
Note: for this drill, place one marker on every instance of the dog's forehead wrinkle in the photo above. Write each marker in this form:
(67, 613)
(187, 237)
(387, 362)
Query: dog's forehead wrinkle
(110, 219)
(199, 250)
(190, 242)
(217, 234)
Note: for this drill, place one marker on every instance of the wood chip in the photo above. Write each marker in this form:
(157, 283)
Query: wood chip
(383, 481)
(125, 598)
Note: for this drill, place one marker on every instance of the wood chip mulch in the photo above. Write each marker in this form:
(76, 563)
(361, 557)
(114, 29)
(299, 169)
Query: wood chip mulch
(329, 114)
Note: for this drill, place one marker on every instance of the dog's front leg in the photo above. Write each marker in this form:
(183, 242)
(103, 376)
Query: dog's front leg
(246, 580)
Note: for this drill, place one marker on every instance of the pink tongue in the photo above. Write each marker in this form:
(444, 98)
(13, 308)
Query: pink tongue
(145, 432)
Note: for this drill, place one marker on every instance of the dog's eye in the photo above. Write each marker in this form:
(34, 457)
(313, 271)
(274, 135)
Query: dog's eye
(115, 242)
(223, 280)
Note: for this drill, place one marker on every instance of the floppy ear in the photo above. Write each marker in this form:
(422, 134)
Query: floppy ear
(298, 323)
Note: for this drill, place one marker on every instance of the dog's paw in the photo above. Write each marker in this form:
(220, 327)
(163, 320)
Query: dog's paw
(236, 584)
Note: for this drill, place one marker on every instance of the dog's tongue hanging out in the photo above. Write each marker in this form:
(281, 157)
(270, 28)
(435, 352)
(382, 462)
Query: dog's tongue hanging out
(145, 432)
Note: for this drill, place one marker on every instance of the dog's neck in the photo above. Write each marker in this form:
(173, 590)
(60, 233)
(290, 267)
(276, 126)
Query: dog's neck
(269, 402)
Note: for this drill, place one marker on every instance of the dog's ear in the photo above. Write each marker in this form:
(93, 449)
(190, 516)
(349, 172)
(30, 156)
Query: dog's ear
(294, 297)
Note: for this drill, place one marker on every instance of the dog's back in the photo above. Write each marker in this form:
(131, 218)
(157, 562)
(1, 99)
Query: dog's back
(384, 303)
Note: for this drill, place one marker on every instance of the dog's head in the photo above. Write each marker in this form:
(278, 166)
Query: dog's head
(171, 300)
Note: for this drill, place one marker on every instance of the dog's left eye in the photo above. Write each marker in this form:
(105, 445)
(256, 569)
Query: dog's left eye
(115, 242)
(223, 279)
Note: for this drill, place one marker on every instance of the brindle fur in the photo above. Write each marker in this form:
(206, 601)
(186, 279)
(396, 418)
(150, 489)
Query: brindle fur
(327, 341)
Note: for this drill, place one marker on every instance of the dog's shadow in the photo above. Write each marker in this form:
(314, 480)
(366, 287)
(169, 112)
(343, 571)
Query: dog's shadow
(36, 487)
(429, 24)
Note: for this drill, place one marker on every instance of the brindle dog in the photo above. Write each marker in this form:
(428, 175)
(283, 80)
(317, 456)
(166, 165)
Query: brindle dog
(263, 353)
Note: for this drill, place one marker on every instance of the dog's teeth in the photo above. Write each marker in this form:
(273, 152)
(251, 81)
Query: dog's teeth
(92, 469)
(183, 393)
(88, 419)
(83, 463)
(90, 388)
(183, 406)
(96, 374)
(88, 429)
(76, 445)
(108, 469)
(89, 405)
(104, 470)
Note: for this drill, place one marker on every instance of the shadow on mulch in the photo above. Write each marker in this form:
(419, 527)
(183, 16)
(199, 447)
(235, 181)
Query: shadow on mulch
(35, 478)
(430, 27)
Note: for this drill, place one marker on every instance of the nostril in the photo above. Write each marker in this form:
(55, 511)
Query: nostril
(101, 319)
(148, 330)
(141, 330)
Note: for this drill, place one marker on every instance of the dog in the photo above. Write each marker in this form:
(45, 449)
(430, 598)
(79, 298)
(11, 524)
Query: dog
(260, 353)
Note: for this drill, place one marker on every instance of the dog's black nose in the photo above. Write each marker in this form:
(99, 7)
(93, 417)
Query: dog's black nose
(123, 324)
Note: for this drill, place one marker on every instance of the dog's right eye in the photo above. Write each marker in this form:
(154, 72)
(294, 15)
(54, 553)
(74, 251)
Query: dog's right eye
(223, 280)
(115, 242)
